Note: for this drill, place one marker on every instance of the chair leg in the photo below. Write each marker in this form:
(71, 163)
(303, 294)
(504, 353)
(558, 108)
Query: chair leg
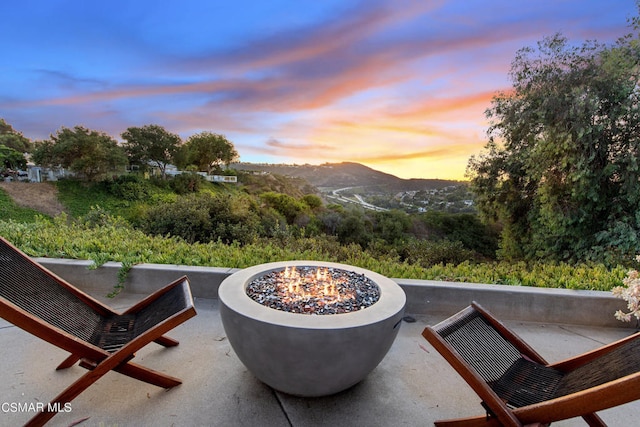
(594, 420)
(117, 362)
(480, 421)
(147, 375)
(166, 341)
(140, 373)
(72, 359)
(68, 362)
(68, 395)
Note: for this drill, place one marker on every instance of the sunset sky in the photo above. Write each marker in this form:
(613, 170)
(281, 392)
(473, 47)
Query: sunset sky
(398, 85)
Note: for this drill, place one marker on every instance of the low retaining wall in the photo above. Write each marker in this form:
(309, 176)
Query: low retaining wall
(141, 279)
(591, 308)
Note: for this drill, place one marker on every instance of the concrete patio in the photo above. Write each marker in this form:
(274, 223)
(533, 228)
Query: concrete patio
(412, 386)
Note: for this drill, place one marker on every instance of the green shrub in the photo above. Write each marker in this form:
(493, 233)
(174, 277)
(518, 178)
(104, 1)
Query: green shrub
(286, 205)
(354, 227)
(462, 227)
(99, 217)
(128, 187)
(311, 200)
(186, 183)
(187, 218)
(429, 252)
(205, 218)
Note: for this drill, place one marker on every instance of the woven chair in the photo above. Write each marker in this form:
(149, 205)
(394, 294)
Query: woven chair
(518, 387)
(45, 305)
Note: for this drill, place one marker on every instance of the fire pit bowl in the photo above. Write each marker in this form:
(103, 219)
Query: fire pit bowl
(303, 354)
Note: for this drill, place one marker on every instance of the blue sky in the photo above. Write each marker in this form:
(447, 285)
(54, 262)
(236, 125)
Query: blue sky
(398, 85)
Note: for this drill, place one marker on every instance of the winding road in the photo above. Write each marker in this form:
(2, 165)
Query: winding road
(335, 194)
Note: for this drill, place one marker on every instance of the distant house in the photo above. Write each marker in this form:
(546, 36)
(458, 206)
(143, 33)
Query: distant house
(222, 178)
(41, 174)
(172, 170)
(169, 169)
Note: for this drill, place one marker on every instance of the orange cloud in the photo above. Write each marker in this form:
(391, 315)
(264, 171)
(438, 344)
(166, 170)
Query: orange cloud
(399, 84)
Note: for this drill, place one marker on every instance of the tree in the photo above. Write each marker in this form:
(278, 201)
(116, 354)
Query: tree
(89, 153)
(5, 127)
(354, 227)
(151, 144)
(11, 138)
(391, 226)
(208, 151)
(561, 168)
(11, 159)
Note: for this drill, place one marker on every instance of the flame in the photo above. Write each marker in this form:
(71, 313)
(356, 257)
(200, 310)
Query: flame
(319, 286)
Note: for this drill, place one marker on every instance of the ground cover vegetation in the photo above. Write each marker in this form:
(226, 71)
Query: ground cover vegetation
(100, 237)
(556, 190)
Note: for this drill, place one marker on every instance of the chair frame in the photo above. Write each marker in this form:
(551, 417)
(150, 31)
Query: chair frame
(98, 360)
(580, 404)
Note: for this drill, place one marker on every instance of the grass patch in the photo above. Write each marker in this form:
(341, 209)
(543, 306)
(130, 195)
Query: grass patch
(79, 197)
(9, 211)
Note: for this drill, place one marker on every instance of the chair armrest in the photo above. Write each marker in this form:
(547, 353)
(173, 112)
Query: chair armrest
(574, 362)
(608, 395)
(182, 282)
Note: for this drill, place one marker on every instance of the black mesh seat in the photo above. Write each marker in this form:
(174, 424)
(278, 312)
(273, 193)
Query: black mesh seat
(37, 292)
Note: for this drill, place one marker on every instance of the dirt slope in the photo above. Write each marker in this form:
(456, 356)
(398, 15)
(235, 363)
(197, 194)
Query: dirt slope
(41, 196)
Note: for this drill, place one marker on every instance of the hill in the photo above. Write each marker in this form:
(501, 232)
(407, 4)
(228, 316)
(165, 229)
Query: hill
(352, 183)
(347, 174)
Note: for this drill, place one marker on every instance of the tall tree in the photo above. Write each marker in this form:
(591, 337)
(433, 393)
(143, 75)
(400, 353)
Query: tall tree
(208, 151)
(5, 127)
(89, 153)
(561, 168)
(151, 144)
(11, 159)
(13, 139)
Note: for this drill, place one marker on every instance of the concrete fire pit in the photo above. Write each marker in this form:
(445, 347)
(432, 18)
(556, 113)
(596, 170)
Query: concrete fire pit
(309, 355)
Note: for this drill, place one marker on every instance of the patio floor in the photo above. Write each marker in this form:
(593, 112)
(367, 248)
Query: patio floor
(412, 386)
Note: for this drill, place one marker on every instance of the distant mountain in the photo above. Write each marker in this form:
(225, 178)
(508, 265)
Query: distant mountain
(347, 174)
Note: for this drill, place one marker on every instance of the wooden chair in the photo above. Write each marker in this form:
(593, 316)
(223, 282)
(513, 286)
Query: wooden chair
(518, 387)
(45, 305)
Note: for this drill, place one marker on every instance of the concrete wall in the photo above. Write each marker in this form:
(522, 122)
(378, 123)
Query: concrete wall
(515, 302)
(142, 279)
(594, 308)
